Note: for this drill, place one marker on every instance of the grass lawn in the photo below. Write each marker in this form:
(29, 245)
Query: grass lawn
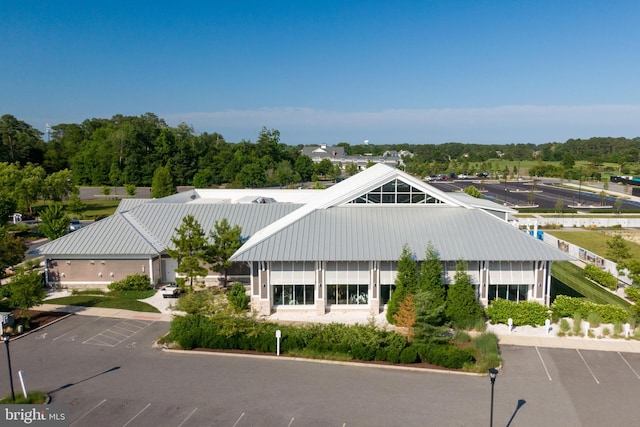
(94, 209)
(594, 241)
(104, 302)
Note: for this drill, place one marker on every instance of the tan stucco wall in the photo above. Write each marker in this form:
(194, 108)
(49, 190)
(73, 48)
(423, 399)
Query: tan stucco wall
(80, 272)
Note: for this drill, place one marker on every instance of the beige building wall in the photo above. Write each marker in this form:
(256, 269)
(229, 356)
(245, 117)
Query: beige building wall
(79, 273)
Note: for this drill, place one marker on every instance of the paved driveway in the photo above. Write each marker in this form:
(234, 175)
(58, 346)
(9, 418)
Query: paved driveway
(109, 374)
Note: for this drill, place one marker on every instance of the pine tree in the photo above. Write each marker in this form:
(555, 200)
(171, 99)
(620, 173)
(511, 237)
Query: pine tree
(462, 307)
(431, 278)
(189, 246)
(225, 241)
(406, 282)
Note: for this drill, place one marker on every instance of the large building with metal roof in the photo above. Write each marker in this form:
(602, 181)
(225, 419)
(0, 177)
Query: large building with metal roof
(317, 250)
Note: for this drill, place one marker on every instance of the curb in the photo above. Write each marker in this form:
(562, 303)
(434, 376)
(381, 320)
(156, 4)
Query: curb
(328, 362)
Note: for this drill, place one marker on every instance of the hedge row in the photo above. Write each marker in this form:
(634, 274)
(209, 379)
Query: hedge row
(522, 313)
(565, 306)
(356, 342)
(601, 277)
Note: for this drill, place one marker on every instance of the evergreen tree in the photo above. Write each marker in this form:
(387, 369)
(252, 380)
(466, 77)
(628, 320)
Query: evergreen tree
(225, 241)
(406, 282)
(429, 315)
(189, 246)
(431, 278)
(618, 249)
(462, 307)
(12, 250)
(162, 184)
(54, 222)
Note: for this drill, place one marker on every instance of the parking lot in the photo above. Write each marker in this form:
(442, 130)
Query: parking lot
(107, 371)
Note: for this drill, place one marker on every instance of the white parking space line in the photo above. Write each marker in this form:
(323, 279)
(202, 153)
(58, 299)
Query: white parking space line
(136, 415)
(291, 422)
(77, 327)
(585, 364)
(113, 336)
(632, 370)
(238, 420)
(88, 412)
(188, 416)
(543, 364)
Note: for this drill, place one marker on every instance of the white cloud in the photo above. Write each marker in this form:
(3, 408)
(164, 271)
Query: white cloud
(504, 124)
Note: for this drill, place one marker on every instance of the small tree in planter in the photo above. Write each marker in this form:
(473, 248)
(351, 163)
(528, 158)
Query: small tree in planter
(26, 290)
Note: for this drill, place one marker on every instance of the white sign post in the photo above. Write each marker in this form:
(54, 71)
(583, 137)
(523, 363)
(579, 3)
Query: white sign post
(510, 323)
(278, 336)
(586, 329)
(547, 325)
(24, 387)
(627, 330)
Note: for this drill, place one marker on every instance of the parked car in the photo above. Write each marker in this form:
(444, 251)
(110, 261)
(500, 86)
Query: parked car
(171, 291)
(75, 225)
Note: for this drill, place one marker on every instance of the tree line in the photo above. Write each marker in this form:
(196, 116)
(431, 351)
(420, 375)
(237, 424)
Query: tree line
(129, 149)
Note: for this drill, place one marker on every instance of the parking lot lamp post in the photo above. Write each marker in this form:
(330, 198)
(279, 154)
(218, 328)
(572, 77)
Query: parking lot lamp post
(5, 338)
(493, 372)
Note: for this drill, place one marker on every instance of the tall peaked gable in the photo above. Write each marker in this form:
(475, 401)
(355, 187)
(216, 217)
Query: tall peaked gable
(345, 192)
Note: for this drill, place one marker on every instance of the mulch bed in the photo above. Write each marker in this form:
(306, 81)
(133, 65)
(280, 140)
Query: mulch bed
(38, 319)
(372, 362)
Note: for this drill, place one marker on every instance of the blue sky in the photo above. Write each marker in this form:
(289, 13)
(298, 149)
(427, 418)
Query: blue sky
(330, 71)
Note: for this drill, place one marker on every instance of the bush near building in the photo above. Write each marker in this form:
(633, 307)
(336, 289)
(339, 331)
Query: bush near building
(565, 306)
(522, 313)
(601, 277)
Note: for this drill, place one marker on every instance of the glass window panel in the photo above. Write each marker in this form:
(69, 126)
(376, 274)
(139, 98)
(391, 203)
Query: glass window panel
(373, 198)
(342, 294)
(332, 295)
(522, 292)
(277, 294)
(502, 291)
(418, 198)
(385, 293)
(353, 294)
(377, 190)
(288, 296)
(388, 198)
(492, 292)
(309, 292)
(389, 187)
(403, 187)
(404, 198)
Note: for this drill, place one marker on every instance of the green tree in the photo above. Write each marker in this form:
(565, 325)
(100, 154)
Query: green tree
(284, 174)
(559, 207)
(225, 241)
(351, 169)
(618, 250)
(431, 276)
(130, 189)
(189, 246)
(462, 307)
(26, 290)
(30, 188)
(407, 282)
(59, 185)
(54, 222)
(12, 250)
(8, 207)
(617, 205)
(76, 205)
(324, 167)
(304, 167)
(568, 161)
(430, 316)
(473, 192)
(162, 184)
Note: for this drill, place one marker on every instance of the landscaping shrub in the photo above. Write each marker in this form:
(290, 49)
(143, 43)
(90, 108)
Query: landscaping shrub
(134, 282)
(486, 351)
(565, 327)
(577, 323)
(601, 277)
(522, 313)
(449, 356)
(633, 293)
(408, 355)
(593, 319)
(381, 354)
(461, 336)
(238, 297)
(565, 306)
(393, 355)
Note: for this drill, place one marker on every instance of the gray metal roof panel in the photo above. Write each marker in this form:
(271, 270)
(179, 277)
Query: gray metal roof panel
(352, 233)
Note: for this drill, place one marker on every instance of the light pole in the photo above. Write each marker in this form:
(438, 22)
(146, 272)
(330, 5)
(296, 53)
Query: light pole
(493, 372)
(5, 338)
